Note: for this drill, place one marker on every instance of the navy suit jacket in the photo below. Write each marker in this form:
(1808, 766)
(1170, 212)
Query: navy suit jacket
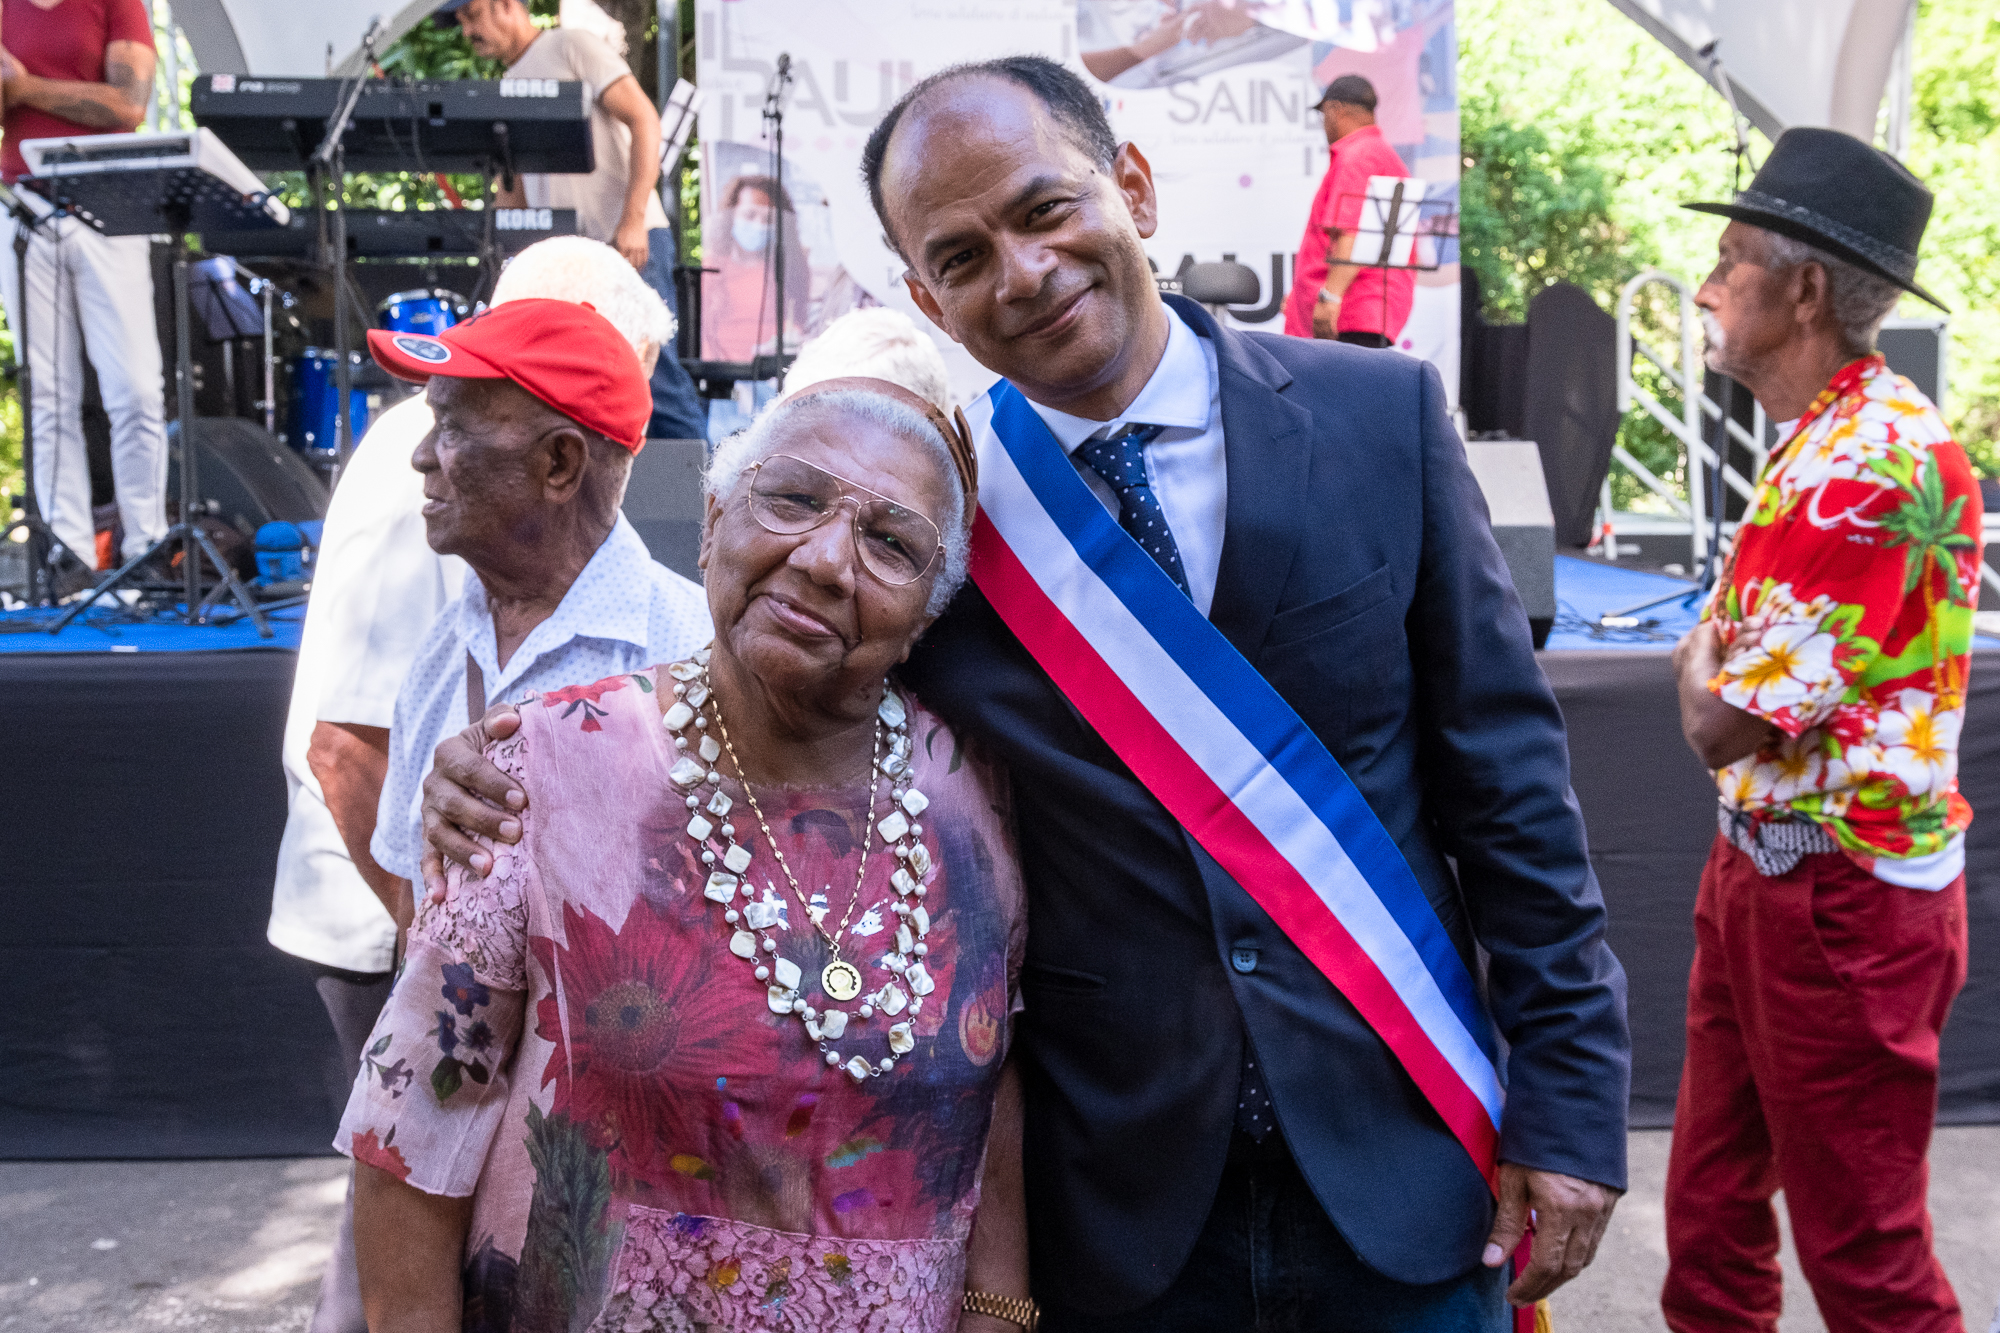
(1360, 576)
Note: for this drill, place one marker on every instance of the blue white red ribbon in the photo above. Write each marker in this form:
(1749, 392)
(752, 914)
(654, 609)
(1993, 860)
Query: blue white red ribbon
(1228, 757)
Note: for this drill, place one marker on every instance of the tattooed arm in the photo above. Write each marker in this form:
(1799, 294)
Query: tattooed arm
(118, 103)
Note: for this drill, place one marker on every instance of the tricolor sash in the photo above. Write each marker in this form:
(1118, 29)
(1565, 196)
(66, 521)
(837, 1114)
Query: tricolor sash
(1228, 757)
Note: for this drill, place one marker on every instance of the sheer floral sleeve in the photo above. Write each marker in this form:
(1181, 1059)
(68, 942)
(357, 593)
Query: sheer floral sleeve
(432, 1089)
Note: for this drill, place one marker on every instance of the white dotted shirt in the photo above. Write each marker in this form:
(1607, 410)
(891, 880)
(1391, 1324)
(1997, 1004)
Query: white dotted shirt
(1184, 464)
(625, 611)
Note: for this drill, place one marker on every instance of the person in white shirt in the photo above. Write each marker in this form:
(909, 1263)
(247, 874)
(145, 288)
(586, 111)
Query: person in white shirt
(618, 202)
(377, 589)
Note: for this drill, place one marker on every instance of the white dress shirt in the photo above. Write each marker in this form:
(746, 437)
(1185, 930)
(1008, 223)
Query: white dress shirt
(625, 611)
(1184, 464)
(377, 585)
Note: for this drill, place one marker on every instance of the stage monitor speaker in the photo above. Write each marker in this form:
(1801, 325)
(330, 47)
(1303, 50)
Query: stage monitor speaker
(251, 478)
(1570, 407)
(1509, 473)
(1915, 349)
(663, 501)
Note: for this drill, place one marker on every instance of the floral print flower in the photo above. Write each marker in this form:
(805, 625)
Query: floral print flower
(1919, 743)
(639, 1012)
(586, 697)
(377, 1153)
(462, 990)
(1786, 668)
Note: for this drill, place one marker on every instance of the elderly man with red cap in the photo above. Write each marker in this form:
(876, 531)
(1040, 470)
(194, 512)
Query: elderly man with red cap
(540, 406)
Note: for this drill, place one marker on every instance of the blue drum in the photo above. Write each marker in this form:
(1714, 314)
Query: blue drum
(429, 310)
(315, 397)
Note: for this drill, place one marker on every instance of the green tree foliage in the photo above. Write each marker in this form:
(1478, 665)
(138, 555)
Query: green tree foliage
(1533, 213)
(1582, 135)
(1566, 104)
(1955, 147)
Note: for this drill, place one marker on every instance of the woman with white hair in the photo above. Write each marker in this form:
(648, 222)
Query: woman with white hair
(745, 985)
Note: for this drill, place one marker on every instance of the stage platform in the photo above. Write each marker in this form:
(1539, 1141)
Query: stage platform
(111, 628)
(143, 1014)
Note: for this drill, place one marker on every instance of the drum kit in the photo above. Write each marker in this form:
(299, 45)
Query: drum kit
(312, 424)
(288, 288)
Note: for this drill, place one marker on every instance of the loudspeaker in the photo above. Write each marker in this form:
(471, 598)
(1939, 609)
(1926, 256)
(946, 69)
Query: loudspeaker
(1509, 473)
(1570, 407)
(1915, 348)
(251, 478)
(663, 501)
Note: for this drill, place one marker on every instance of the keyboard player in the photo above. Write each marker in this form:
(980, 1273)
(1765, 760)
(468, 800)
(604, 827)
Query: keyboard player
(78, 67)
(619, 202)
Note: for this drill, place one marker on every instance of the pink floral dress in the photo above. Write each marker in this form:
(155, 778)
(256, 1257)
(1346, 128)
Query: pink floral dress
(647, 1145)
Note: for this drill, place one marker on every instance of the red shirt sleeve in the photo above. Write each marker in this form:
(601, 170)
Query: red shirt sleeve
(127, 21)
(1350, 181)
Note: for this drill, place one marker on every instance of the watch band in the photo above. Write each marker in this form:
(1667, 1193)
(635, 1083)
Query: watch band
(1014, 1309)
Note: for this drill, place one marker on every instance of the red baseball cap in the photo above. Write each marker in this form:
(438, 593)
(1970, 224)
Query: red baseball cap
(563, 352)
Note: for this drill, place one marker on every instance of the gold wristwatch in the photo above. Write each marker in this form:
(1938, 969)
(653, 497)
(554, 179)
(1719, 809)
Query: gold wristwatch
(1014, 1309)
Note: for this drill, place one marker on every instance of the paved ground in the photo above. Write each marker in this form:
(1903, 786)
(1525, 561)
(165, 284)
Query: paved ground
(1620, 1292)
(135, 1247)
(237, 1247)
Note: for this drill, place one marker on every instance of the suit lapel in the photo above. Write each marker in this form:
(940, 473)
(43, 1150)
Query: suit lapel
(1266, 443)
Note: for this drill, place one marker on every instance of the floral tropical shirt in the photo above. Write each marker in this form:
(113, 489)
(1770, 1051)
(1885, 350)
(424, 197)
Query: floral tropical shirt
(648, 1146)
(1846, 621)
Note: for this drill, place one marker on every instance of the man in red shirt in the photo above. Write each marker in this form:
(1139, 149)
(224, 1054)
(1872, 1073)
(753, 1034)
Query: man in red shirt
(1355, 304)
(68, 68)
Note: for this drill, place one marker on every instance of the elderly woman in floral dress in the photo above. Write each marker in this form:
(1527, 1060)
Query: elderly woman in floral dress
(721, 1043)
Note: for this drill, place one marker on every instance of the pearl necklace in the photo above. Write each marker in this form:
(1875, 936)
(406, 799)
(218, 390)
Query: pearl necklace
(751, 938)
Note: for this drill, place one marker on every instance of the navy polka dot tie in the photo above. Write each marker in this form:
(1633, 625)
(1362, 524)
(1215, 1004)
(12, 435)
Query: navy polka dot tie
(1121, 461)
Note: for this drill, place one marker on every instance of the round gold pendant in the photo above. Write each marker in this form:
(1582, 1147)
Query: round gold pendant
(841, 981)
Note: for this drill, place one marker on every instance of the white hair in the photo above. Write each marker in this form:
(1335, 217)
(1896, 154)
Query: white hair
(762, 438)
(575, 268)
(880, 343)
(1860, 300)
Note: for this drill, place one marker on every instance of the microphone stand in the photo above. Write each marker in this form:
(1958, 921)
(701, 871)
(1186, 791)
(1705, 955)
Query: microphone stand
(774, 115)
(42, 539)
(330, 158)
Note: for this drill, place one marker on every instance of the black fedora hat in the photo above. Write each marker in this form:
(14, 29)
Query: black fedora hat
(1831, 190)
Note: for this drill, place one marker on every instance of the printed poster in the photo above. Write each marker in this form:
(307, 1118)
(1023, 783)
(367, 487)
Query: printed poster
(1218, 95)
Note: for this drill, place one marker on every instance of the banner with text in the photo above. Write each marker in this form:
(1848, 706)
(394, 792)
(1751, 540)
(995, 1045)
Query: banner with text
(1218, 94)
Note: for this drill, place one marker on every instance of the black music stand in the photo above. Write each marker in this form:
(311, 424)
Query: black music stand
(42, 539)
(1399, 220)
(141, 201)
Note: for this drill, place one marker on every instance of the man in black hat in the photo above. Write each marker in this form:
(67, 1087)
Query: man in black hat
(1332, 299)
(1826, 688)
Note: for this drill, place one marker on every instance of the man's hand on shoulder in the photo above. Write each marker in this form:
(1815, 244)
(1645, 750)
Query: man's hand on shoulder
(465, 794)
(1569, 1218)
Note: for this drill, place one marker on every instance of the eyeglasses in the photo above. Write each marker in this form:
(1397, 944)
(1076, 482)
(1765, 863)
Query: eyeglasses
(789, 496)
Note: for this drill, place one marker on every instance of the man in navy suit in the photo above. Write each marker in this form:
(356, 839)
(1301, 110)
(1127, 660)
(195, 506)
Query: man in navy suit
(1215, 1138)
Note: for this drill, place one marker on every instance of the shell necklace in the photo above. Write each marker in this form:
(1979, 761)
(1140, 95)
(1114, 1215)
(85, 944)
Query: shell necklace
(751, 939)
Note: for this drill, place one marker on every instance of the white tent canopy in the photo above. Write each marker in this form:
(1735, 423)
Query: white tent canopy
(288, 38)
(1792, 62)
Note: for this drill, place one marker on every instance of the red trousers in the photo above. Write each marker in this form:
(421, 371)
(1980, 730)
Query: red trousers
(1812, 1059)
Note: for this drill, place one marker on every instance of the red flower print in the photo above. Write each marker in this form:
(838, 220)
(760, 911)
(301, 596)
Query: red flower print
(585, 697)
(980, 1022)
(645, 1014)
(381, 1155)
